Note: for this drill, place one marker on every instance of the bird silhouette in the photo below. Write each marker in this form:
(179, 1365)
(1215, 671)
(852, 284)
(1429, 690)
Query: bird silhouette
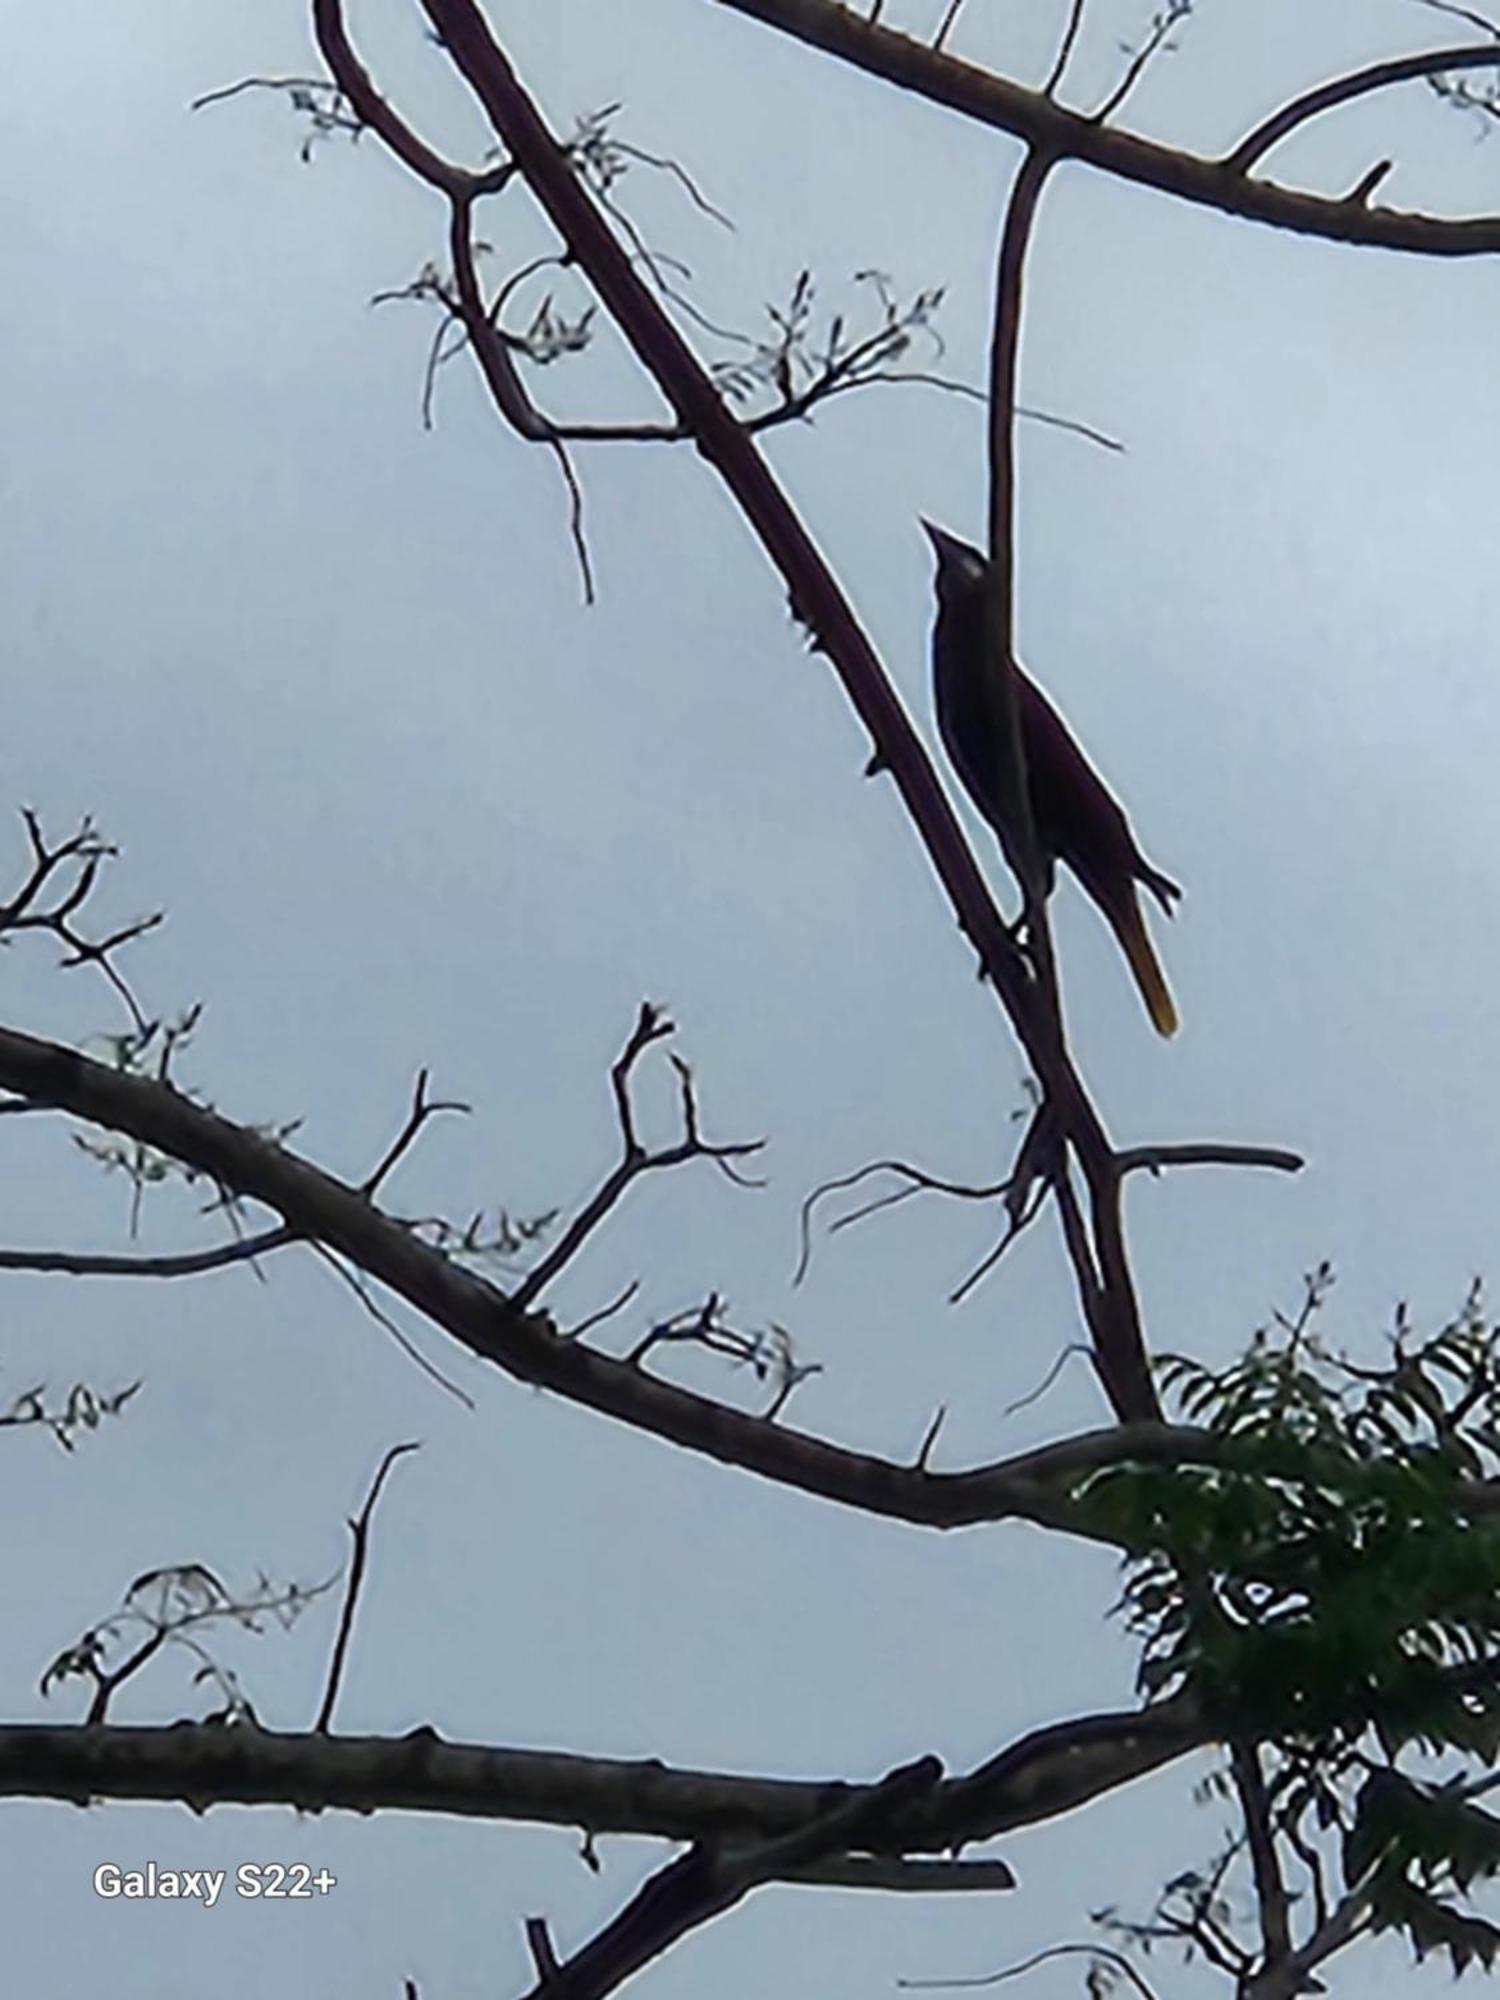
(1076, 818)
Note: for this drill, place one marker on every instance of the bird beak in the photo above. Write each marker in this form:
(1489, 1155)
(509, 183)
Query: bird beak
(955, 558)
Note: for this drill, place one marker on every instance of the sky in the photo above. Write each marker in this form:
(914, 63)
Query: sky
(327, 679)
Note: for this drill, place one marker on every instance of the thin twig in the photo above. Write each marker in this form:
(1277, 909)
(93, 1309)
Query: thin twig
(1092, 1952)
(422, 1108)
(652, 1025)
(1162, 24)
(1017, 1222)
(354, 1279)
(1474, 19)
(1065, 49)
(945, 25)
(186, 1264)
(359, 1529)
(916, 1180)
(617, 1304)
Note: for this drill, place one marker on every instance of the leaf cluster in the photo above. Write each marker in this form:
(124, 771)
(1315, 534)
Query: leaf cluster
(1326, 1581)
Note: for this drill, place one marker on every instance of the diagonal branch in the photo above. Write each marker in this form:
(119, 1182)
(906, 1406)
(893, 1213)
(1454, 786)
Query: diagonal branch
(706, 1882)
(817, 602)
(1030, 115)
(651, 1026)
(1037, 1486)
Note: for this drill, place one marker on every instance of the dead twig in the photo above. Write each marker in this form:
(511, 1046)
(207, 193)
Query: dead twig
(422, 1108)
(652, 1025)
(359, 1529)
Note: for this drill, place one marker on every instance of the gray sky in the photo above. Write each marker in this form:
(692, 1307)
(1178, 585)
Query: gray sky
(328, 681)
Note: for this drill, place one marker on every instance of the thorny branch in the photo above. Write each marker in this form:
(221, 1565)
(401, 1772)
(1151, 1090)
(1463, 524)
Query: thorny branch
(815, 597)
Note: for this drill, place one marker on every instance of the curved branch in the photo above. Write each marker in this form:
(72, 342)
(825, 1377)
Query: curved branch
(318, 1209)
(1027, 114)
(373, 109)
(1344, 89)
(184, 1264)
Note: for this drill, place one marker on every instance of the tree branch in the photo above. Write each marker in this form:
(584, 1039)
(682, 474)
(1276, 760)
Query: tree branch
(1051, 1771)
(1029, 115)
(1343, 90)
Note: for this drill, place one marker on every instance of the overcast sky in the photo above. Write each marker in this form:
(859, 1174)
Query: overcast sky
(327, 680)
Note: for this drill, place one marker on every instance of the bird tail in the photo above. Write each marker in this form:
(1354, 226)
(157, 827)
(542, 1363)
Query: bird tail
(1129, 927)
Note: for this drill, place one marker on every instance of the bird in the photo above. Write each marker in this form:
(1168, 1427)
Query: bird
(1076, 818)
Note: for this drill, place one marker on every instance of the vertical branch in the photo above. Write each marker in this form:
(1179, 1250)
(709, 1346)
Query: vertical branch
(1270, 1889)
(999, 605)
(726, 445)
(1106, 1285)
(1065, 50)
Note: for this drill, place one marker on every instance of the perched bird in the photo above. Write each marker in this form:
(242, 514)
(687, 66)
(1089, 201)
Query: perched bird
(1074, 815)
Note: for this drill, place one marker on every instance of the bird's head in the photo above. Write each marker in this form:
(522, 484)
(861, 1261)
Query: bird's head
(960, 568)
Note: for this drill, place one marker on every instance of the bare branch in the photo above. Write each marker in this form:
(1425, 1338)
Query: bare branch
(359, 1529)
(651, 1026)
(915, 1180)
(1094, 1953)
(1046, 1773)
(1270, 1887)
(373, 110)
(173, 1606)
(1210, 1153)
(69, 872)
(705, 1882)
(1065, 48)
(1474, 19)
(349, 1275)
(617, 1304)
(945, 26)
(771, 1355)
(1163, 22)
(422, 1108)
(183, 1264)
(478, 1314)
(1343, 90)
(991, 100)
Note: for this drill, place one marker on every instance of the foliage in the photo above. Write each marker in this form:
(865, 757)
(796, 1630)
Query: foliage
(1326, 1582)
